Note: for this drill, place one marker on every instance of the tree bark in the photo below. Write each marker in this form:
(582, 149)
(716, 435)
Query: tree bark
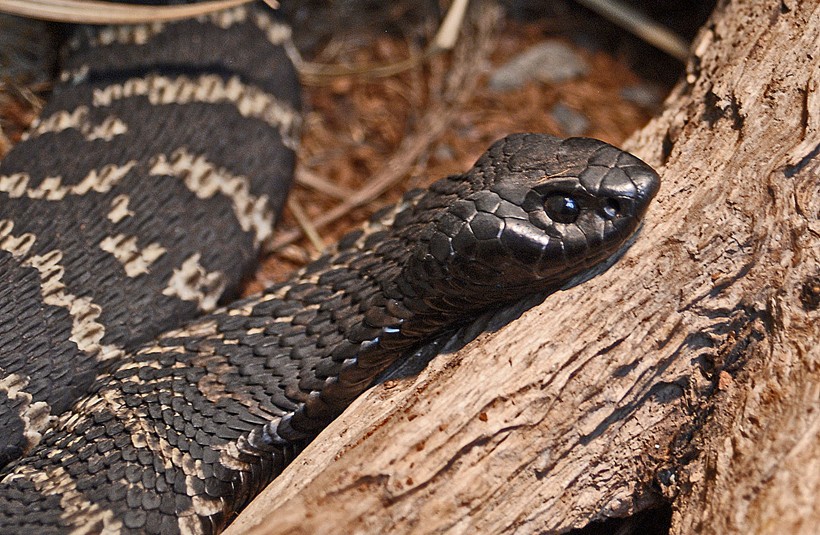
(688, 372)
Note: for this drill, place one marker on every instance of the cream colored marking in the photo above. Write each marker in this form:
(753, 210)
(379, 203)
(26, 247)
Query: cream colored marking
(144, 437)
(83, 515)
(140, 34)
(229, 456)
(155, 349)
(188, 523)
(276, 32)
(201, 329)
(192, 282)
(250, 101)
(204, 506)
(52, 481)
(52, 189)
(78, 120)
(131, 365)
(119, 209)
(125, 34)
(86, 332)
(135, 261)
(206, 180)
(246, 309)
(380, 224)
(225, 18)
(75, 76)
(36, 416)
(110, 127)
(134, 34)
(18, 246)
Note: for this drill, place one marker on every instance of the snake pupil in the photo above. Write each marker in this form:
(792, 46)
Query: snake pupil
(562, 208)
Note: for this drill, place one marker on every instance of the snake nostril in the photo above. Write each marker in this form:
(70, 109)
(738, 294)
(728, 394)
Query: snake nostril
(612, 208)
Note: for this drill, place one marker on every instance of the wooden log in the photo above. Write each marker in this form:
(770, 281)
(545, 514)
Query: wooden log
(689, 372)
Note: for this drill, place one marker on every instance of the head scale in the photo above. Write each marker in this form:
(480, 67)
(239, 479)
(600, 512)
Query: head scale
(538, 211)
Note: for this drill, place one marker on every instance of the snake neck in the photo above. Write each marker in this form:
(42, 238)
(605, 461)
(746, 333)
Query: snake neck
(372, 299)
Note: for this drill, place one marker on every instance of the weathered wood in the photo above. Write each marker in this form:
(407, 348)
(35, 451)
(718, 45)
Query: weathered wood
(690, 371)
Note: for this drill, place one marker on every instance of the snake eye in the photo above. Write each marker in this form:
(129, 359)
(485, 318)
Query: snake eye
(562, 208)
(612, 208)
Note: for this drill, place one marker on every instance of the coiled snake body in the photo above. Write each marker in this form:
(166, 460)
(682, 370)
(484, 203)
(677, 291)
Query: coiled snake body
(162, 142)
(179, 433)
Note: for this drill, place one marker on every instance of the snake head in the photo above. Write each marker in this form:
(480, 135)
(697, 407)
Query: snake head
(538, 212)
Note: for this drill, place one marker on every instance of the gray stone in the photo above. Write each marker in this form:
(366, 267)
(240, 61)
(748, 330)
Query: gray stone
(548, 62)
(572, 123)
(643, 95)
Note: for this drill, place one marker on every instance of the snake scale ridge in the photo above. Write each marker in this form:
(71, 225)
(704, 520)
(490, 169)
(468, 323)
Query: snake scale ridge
(140, 196)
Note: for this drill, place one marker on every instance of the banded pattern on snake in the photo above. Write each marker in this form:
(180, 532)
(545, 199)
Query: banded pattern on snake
(178, 434)
(138, 199)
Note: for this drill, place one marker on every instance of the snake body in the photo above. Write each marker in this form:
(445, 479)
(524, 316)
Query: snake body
(181, 432)
(138, 199)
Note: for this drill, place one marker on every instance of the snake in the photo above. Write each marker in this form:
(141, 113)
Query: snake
(134, 400)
